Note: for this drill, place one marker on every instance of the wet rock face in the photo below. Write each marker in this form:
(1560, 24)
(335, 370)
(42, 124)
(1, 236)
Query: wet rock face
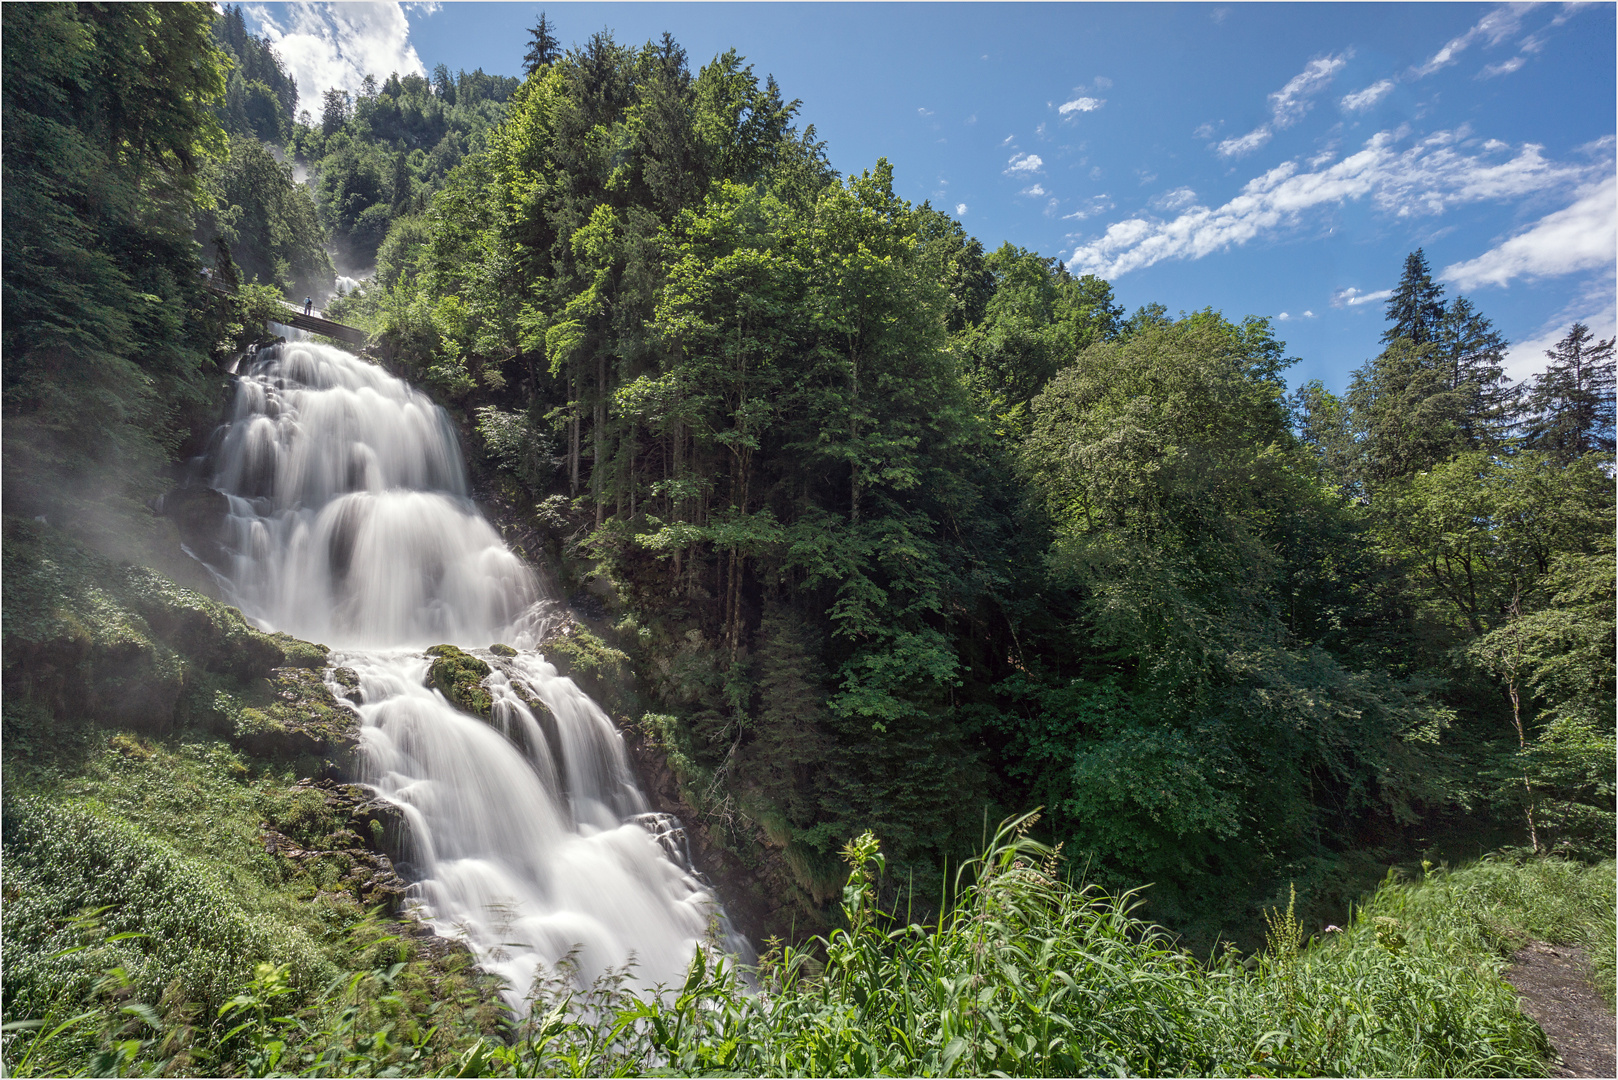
(459, 676)
(199, 513)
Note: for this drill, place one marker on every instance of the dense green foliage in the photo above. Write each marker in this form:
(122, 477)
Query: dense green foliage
(894, 535)
(108, 129)
(377, 158)
(1022, 974)
(266, 223)
(261, 99)
(901, 534)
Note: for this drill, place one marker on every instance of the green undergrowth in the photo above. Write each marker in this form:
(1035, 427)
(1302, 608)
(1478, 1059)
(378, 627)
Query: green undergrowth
(139, 901)
(1026, 973)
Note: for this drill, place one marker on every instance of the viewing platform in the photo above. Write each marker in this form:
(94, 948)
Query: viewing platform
(292, 315)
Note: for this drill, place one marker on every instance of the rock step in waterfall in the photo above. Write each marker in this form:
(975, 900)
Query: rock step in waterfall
(349, 523)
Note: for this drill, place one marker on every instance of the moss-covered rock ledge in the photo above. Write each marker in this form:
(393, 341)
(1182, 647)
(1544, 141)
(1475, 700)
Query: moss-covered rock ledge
(87, 638)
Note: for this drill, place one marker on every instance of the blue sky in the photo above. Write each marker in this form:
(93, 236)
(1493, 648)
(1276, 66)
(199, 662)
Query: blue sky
(1268, 159)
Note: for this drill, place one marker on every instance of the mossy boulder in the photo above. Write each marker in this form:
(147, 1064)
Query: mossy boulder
(291, 714)
(503, 650)
(459, 676)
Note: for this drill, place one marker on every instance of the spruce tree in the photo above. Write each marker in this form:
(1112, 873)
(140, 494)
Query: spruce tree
(543, 47)
(1472, 350)
(1416, 308)
(1571, 403)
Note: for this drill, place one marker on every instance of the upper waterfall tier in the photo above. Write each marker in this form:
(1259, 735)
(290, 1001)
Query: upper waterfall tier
(350, 519)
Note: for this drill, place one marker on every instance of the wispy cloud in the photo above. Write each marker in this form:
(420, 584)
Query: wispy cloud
(1081, 105)
(1289, 104)
(1424, 178)
(337, 45)
(1505, 67)
(1237, 145)
(1583, 236)
(923, 111)
(1037, 189)
(1285, 317)
(1360, 100)
(1493, 28)
(1177, 199)
(1097, 204)
(1024, 164)
(1353, 297)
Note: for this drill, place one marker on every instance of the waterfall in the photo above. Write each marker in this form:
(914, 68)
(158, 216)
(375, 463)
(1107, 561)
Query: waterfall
(350, 524)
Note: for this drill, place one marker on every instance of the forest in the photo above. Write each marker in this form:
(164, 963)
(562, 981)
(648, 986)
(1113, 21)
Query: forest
(877, 539)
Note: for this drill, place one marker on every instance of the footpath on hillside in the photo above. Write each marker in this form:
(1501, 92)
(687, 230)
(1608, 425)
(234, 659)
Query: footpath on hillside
(1554, 981)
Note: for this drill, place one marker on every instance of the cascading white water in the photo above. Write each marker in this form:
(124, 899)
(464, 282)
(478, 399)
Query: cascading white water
(350, 525)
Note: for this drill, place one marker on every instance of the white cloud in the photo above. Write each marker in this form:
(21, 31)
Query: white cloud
(1494, 27)
(1098, 204)
(1174, 200)
(1583, 236)
(960, 209)
(1021, 164)
(1103, 83)
(1007, 140)
(1037, 189)
(1361, 100)
(1353, 297)
(1593, 307)
(337, 45)
(1288, 104)
(1237, 145)
(1081, 104)
(1427, 177)
(1284, 317)
(924, 112)
(1323, 157)
(1505, 67)
(1205, 131)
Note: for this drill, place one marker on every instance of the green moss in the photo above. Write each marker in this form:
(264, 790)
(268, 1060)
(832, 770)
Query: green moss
(585, 653)
(502, 650)
(459, 676)
(301, 654)
(120, 644)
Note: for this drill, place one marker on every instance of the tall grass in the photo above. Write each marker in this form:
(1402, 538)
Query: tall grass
(1024, 974)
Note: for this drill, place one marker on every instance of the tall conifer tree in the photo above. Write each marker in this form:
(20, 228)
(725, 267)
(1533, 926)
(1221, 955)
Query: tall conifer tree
(1416, 308)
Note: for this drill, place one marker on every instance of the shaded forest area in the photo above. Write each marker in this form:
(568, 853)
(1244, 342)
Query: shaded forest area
(901, 536)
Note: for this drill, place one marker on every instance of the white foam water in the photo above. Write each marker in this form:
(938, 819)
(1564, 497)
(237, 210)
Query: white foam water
(351, 525)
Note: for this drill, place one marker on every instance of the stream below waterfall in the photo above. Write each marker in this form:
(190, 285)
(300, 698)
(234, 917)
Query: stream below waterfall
(350, 524)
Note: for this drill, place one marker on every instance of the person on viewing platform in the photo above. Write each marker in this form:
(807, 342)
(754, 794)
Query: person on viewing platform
(308, 305)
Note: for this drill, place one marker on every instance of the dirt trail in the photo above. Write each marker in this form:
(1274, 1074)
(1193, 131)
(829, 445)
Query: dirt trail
(1554, 981)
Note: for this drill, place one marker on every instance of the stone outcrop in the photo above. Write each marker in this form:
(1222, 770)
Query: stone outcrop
(368, 838)
(120, 644)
